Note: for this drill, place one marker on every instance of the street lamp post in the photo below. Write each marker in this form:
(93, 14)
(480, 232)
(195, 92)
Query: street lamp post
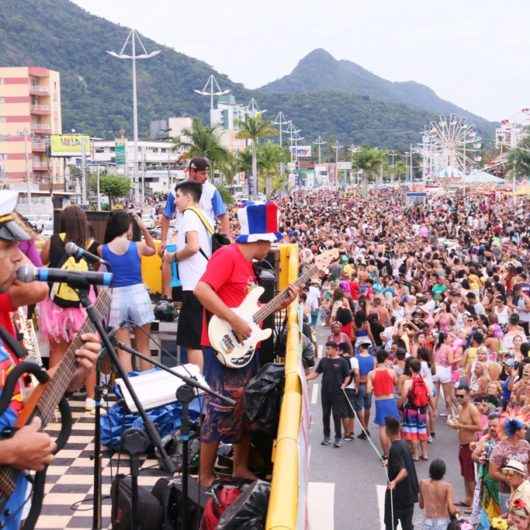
(211, 88)
(319, 142)
(132, 37)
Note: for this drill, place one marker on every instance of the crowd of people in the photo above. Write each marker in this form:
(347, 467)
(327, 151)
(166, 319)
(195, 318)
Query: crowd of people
(429, 310)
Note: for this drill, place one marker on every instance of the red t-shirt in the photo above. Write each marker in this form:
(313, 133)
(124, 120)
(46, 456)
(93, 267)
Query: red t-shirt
(6, 307)
(354, 290)
(231, 276)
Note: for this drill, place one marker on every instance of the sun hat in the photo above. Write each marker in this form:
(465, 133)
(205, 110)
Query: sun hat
(515, 466)
(258, 222)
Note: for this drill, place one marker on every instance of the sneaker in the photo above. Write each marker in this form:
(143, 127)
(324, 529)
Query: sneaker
(349, 437)
(362, 436)
(325, 441)
(90, 405)
(429, 440)
(338, 443)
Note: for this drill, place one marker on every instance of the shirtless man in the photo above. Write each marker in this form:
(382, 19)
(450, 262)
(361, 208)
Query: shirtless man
(467, 424)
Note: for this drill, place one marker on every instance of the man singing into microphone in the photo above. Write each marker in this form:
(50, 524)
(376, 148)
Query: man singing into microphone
(27, 448)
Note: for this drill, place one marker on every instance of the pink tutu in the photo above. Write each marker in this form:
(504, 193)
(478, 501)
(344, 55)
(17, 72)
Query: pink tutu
(60, 324)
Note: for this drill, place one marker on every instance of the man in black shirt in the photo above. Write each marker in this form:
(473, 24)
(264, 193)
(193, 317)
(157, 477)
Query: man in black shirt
(402, 489)
(334, 370)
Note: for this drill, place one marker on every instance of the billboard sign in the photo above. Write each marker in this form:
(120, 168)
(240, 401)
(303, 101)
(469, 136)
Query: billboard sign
(119, 152)
(301, 151)
(65, 145)
(344, 166)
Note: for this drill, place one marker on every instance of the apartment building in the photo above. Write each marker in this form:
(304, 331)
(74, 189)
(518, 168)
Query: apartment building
(30, 111)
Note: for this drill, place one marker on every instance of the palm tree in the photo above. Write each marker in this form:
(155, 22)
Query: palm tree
(253, 128)
(370, 160)
(202, 140)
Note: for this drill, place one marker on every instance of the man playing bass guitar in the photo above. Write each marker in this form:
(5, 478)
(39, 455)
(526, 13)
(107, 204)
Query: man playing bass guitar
(228, 278)
(27, 448)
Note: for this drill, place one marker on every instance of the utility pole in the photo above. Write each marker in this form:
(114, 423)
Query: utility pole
(319, 142)
(132, 37)
(337, 146)
(280, 121)
(211, 88)
(83, 176)
(27, 138)
(393, 154)
(411, 163)
(98, 180)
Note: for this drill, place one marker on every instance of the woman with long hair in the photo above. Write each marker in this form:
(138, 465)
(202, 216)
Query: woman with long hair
(131, 306)
(443, 359)
(61, 324)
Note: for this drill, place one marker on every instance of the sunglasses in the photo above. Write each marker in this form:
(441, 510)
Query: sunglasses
(460, 396)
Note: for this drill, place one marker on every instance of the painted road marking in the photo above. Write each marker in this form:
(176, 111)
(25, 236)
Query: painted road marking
(314, 394)
(320, 505)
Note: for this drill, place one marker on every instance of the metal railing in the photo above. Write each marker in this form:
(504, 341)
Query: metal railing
(39, 90)
(286, 505)
(40, 108)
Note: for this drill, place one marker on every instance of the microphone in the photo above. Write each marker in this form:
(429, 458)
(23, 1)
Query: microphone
(26, 273)
(71, 249)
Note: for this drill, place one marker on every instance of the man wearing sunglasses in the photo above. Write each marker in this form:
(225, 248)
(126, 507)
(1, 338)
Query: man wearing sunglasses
(467, 423)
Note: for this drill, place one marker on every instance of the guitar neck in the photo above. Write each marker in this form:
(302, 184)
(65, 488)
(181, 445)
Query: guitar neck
(272, 306)
(65, 372)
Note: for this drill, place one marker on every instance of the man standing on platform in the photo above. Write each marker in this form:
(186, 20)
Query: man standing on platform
(194, 248)
(228, 279)
(211, 203)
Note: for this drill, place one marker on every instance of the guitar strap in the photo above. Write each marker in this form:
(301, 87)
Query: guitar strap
(205, 223)
(11, 343)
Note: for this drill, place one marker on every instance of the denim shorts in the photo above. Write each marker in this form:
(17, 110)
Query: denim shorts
(363, 400)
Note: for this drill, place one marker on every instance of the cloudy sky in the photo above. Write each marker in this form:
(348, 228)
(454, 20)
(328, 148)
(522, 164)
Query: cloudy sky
(475, 53)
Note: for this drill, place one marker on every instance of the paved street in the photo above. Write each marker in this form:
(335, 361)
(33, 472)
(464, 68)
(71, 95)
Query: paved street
(347, 484)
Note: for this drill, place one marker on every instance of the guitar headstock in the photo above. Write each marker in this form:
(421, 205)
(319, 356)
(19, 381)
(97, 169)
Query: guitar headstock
(325, 259)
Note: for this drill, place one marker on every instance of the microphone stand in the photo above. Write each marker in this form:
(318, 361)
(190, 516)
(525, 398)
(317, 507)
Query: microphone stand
(185, 395)
(148, 424)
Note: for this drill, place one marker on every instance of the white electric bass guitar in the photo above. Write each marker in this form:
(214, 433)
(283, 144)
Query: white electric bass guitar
(235, 353)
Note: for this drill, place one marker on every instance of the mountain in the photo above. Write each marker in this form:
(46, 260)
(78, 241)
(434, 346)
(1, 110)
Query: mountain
(96, 88)
(320, 71)
(323, 96)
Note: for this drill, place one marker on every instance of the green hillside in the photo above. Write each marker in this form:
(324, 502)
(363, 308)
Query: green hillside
(96, 89)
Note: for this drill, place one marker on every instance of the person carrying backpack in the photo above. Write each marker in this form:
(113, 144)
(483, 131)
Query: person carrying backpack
(416, 397)
(61, 315)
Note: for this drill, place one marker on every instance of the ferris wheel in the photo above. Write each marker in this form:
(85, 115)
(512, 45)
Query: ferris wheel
(450, 148)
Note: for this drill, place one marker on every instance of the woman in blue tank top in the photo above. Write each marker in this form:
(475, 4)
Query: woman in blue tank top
(131, 306)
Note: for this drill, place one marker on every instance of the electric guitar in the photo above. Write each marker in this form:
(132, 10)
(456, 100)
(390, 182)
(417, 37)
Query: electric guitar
(235, 353)
(42, 402)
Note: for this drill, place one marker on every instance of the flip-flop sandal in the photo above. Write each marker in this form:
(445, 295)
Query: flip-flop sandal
(424, 458)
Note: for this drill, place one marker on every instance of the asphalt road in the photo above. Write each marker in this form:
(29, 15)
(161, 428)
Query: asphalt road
(347, 483)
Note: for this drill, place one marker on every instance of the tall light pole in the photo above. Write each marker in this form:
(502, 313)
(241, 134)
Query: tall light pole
(132, 37)
(280, 121)
(211, 88)
(319, 142)
(253, 108)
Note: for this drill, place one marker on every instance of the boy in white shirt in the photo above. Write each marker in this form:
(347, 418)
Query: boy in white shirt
(194, 247)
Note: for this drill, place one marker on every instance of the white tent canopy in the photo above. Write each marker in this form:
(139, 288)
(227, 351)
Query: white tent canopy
(481, 177)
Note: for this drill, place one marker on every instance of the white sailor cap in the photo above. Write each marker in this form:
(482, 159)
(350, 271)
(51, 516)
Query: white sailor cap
(10, 230)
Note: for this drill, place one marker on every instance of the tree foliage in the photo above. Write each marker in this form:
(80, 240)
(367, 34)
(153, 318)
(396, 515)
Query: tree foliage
(370, 160)
(115, 187)
(519, 159)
